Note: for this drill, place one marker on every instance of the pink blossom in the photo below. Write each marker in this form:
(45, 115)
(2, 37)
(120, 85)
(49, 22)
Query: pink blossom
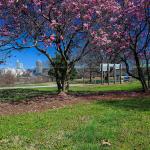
(87, 17)
(61, 37)
(115, 33)
(53, 23)
(52, 38)
(86, 26)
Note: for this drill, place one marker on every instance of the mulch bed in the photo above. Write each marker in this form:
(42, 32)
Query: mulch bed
(42, 103)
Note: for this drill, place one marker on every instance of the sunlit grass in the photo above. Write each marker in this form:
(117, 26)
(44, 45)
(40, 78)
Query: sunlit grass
(129, 86)
(22, 94)
(125, 124)
(84, 88)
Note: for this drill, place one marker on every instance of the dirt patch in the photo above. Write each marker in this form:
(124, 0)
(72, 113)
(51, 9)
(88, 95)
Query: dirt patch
(42, 103)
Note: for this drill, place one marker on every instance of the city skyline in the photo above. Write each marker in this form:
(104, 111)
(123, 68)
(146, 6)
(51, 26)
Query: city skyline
(20, 65)
(27, 58)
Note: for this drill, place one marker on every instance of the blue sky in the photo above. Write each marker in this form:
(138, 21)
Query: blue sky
(28, 57)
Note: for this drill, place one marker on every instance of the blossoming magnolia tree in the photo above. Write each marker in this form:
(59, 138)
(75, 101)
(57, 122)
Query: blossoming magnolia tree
(131, 39)
(4, 51)
(68, 27)
(64, 26)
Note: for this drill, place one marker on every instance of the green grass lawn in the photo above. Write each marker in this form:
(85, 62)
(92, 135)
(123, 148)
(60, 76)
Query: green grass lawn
(36, 84)
(125, 124)
(21, 94)
(129, 86)
(27, 84)
(14, 95)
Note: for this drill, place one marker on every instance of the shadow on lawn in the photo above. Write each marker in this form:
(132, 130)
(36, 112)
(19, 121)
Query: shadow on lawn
(14, 95)
(140, 104)
(96, 93)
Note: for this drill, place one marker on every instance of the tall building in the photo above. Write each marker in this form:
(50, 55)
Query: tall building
(19, 65)
(46, 65)
(39, 67)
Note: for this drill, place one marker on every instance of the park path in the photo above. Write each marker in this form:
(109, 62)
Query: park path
(27, 87)
(32, 87)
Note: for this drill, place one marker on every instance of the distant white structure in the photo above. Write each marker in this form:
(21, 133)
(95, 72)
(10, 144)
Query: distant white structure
(19, 65)
(15, 72)
(8, 70)
(46, 65)
(106, 67)
(18, 71)
(39, 67)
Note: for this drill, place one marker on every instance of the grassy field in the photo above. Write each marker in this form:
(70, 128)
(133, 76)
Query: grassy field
(21, 94)
(124, 124)
(36, 84)
(27, 84)
(129, 86)
(84, 88)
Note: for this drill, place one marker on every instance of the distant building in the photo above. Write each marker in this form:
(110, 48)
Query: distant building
(39, 67)
(46, 65)
(15, 72)
(19, 65)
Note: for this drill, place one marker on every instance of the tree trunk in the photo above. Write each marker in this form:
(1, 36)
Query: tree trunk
(140, 71)
(62, 81)
(59, 86)
(62, 85)
(144, 86)
(90, 76)
(142, 79)
(148, 72)
(140, 76)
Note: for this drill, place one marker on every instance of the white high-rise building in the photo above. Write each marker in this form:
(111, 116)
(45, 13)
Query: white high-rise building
(46, 65)
(39, 67)
(19, 65)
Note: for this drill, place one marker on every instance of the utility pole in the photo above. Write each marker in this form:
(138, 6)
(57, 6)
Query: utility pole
(108, 73)
(102, 74)
(120, 73)
(114, 73)
(83, 75)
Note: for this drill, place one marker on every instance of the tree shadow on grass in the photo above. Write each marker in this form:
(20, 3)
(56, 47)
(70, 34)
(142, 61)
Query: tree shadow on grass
(96, 93)
(16, 95)
(140, 104)
(79, 93)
